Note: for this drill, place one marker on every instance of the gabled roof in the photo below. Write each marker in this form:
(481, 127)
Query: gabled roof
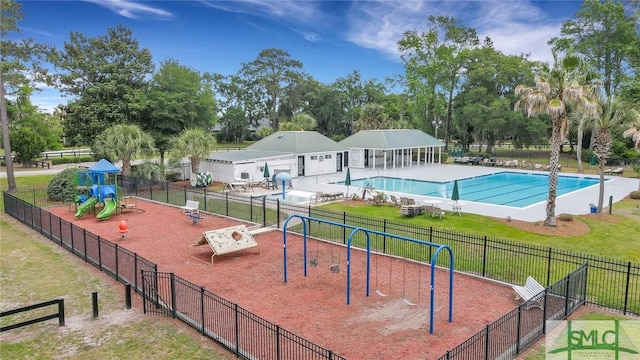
(390, 139)
(104, 166)
(297, 142)
(245, 155)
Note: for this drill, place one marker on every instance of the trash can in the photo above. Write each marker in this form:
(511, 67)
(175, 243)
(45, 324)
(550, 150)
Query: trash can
(594, 209)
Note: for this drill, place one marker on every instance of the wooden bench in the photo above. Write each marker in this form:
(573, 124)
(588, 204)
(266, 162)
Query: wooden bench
(42, 164)
(529, 291)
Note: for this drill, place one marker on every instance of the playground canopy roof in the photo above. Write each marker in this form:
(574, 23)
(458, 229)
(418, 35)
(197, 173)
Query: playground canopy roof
(104, 166)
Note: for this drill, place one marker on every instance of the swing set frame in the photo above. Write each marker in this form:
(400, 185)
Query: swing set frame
(356, 229)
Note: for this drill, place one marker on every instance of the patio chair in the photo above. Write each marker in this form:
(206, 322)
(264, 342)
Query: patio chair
(617, 171)
(394, 200)
(319, 195)
(404, 200)
(411, 201)
(528, 292)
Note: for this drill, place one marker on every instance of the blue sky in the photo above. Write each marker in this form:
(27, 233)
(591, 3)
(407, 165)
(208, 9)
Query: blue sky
(330, 38)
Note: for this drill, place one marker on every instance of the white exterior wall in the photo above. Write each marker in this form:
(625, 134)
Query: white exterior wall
(319, 164)
(226, 172)
(356, 158)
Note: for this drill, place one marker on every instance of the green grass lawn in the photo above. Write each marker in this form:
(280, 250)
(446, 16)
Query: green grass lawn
(116, 334)
(613, 239)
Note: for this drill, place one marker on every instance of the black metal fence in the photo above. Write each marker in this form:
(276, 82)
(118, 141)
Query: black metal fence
(510, 335)
(251, 331)
(613, 284)
(246, 334)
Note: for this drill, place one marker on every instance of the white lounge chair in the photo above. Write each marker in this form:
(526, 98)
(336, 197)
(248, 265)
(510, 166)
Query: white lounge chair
(528, 292)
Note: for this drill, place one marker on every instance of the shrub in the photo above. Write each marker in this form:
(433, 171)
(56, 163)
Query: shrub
(565, 217)
(72, 159)
(62, 186)
(635, 195)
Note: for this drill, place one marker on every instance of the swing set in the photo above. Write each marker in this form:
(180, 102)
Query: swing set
(306, 220)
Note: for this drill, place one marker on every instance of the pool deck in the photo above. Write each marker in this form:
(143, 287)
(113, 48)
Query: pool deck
(575, 203)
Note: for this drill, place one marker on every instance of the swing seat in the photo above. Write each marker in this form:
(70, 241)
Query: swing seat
(335, 268)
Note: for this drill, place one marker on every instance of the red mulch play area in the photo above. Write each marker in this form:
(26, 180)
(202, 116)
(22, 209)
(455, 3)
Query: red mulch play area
(385, 325)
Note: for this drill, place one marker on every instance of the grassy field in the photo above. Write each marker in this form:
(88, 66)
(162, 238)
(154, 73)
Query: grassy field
(612, 236)
(36, 270)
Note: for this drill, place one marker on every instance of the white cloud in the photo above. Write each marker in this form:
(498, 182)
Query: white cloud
(131, 9)
(291, 10)
(515, 27)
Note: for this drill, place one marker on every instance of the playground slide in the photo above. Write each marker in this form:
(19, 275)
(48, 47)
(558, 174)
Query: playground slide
(109, 208)
(88, 204)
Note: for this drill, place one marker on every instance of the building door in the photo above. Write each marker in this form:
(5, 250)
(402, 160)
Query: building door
(339, 162)
(346, 158)
(366, 158)
(300, 165)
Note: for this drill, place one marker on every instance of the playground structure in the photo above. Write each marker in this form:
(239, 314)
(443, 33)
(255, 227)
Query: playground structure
(354, 230)
(225, 241)
(97, 185)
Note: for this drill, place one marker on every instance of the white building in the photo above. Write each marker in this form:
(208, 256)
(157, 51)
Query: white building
(399, 148)
(300, 153)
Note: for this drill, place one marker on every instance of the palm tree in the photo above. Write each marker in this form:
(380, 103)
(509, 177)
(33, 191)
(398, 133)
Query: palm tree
(125, 142)
(615, 114)
(194, 143)
(565, 84)
(634, 134)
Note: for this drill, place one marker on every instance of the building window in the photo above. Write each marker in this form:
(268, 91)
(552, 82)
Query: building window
(327, 156)
(314, 157)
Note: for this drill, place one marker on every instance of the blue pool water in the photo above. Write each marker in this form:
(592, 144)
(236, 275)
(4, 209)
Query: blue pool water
(503, 188)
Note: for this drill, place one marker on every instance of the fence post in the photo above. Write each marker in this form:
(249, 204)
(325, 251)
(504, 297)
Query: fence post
(486, 343)
(185, 193)
(73, 243)
(117, 252)
(226, 203)
(544, 313)
(172, 287)
(144, 293)
(94, 304)
(150, 190)
(127, 296)
(484, 255)
(166, 187)
(519, 324)
(84, 241)
(278, 213)
(566, 295)
(203, 328)
(549, 267)
(251, 208)
(135, 270)
(61, 312)
(344, 229)
(204, 193)
(264, 211)
(237, 332)
(384, 237)
(278, 354)
(626, 289)
(99, 254)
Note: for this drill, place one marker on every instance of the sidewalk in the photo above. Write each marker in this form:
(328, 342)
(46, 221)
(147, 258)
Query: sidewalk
(20, 171)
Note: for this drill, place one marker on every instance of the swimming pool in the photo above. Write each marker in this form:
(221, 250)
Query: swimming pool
(503, 188)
